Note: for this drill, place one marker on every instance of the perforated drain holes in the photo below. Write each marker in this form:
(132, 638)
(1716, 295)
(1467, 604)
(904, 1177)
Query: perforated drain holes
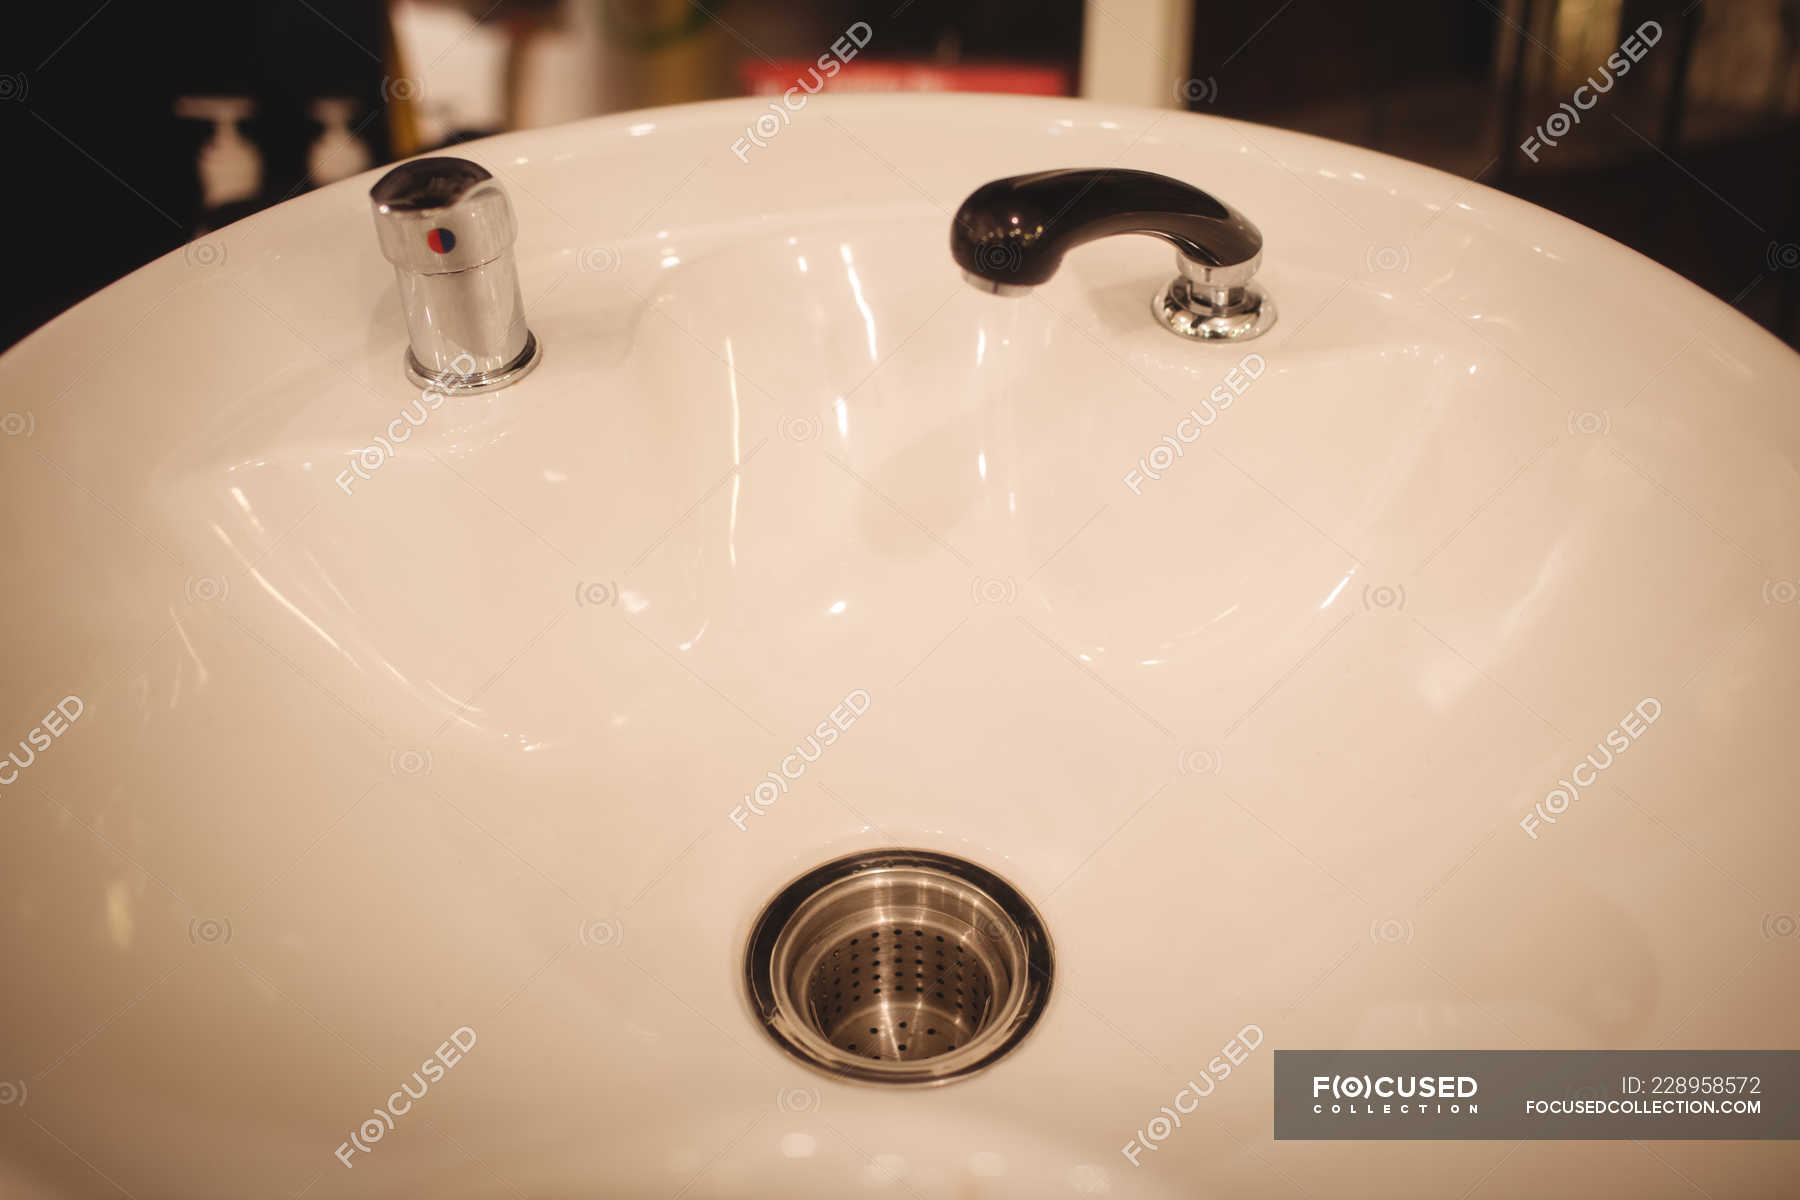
(901, 967)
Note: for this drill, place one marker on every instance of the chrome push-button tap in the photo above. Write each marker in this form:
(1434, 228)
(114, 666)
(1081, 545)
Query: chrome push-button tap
(448, 228)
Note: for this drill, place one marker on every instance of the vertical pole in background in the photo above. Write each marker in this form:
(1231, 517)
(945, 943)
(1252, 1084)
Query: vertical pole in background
(1136, 51)
(1675, 104)
(1522, 13)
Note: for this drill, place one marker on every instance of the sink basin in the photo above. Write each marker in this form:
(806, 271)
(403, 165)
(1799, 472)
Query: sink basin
(1263, 671)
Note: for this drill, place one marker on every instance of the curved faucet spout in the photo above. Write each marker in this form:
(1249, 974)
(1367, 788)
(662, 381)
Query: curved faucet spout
(1010, 236)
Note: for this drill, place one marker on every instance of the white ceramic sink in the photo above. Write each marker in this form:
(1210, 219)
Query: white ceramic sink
(1268, 738)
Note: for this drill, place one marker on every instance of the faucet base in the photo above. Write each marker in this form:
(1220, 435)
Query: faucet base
(457, 383)
(1236, 314)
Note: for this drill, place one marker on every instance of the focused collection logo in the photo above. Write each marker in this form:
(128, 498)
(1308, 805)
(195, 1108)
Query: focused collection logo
(1395, 1095)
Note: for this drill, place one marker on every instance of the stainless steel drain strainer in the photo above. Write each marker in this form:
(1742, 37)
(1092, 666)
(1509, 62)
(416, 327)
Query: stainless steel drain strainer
(899, 967)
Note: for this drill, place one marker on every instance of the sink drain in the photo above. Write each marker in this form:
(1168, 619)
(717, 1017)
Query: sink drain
(898, 966)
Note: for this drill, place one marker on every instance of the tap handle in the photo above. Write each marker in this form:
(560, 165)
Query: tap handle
(436, 216)
(448, 229)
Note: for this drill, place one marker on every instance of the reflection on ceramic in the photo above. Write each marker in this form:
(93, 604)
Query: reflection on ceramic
(1258, 694)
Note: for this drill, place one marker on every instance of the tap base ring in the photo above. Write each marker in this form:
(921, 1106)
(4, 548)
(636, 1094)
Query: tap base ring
(453, 383)
(1183, 311)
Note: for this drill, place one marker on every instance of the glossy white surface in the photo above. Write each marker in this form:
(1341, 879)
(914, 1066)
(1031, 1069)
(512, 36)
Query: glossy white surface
(461, 746)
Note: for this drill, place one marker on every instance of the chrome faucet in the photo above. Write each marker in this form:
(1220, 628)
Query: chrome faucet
(1010, 235)
(448, 229)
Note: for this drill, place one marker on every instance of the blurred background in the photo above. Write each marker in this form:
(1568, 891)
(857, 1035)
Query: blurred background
(145, 125)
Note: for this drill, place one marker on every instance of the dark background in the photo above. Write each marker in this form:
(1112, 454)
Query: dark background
(105, 174)
(1709, 189)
